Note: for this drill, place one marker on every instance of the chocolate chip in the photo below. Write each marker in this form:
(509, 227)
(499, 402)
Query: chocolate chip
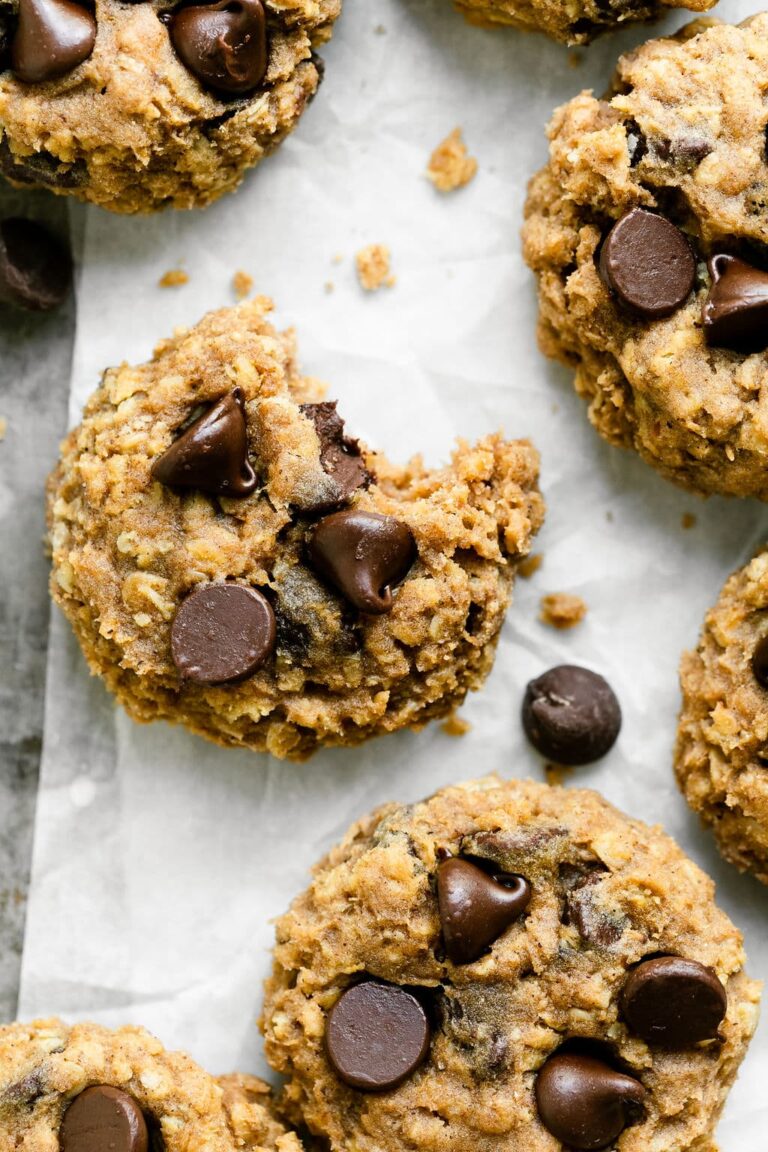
(571, 715)
(648, 263)
(103, 1118)
(340, 455)
(212, 454)
(222, 632)
(637, 145)
(363, 554)
(735, 312)
(476, 908)
(35, 270)
(760, 662)
(52, 38)
(584, 1102)
(377, 1035)
(224, 45)
(40, 168)
(673, 1002)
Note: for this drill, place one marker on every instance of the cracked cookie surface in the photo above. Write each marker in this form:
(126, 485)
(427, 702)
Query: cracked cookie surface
(568, 21)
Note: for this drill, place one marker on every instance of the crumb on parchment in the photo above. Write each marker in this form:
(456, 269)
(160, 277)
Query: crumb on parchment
(562, 609)
(329, 287)
(455, 725)
(3, 427)
(688, 520)
(242, 284)
(373, 267)
(450, 166)
(530, 564)
(173, 278)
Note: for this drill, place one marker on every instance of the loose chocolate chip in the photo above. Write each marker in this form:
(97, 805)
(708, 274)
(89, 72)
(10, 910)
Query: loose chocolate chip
(35, 270)
(103, 1118)
(224, 45)
(212, 454)
(377, 1035)
(571, 715)
(760, 662)
(52, 38)
(339, 454)
(475, 907)
(648, 263)
(673, 1002)
(584, 1102)
(735, 312)
(222, 632)
(363, 554)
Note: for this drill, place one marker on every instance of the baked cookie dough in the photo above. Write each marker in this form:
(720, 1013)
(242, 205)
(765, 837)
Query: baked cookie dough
(721, 758)
(647, 232)
(230, 559)
(86, 1087)
(148, 104)
(508, 966)
(571, 21)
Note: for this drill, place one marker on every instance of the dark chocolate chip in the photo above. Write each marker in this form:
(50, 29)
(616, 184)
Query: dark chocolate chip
(637, 145)
(571, 715)
(582, 905)
(340, 455)
(103, 1118)
(377, 1035)
(41, 168)
(735, 312)
(673, 1002)
(363, 554)
(35, 270)
(52, 38)
(648, 263)
(760, 662)
(476, 908)
(222, 632)
(212, 454)
(584, 1102)
(224, 45)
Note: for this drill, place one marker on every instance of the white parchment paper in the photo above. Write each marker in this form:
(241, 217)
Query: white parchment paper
(160, 859)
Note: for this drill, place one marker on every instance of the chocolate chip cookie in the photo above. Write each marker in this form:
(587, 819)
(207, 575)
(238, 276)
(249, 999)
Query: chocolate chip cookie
(508, 966)
(87, 1088)
(571, 23)
(231, 559)
(647, 231)
(147, 104)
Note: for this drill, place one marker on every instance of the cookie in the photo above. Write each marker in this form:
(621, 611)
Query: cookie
(232, 560)
(568, 22)
(151, 104)
(721, 758)
(507, 965)
(85, 1088)
(646, 231)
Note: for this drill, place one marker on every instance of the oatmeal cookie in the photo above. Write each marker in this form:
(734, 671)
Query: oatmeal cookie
(508, 966)
(647, 230)
(153, 103)
(572, 23)
(230, 559)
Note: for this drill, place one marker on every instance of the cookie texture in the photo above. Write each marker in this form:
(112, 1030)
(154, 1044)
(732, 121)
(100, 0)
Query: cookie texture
(132, 128)
(681, 134)
(570, 21)
(721, 758)
(605, 893)
(46, 1065)
(311, 517)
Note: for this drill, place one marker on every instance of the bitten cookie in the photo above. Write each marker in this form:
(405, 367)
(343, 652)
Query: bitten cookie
(572, 23)
(86, 1087)
(647, 232)
(722, 743)
(152, 103)
(508, 966)
(230, 559)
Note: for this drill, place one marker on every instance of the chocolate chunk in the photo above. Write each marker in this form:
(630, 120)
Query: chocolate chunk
(363, 554)
(735, 312)
(571, 715)
(377, 1035)
(222, 632)
(476, 908)
(35, 270)
(212, 454)
(52, 38)
(103, 1118)
(673, 1002)
(582, 905)
(760, 662)
(339, 454)
(224, 45)
(40, 168)
(648, 263)
(637, 145)
(584, 1102)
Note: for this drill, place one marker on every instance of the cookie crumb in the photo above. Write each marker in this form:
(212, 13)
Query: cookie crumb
(562, 610)
(242, 284)
(455, 725)
(380, 30)
(530, 564)
(373, 270)
(575, 59)
(337, 258)
(3, 427)
(688, 520)
(174, 278)
(329, 287)
(557, 774)
(450, 166)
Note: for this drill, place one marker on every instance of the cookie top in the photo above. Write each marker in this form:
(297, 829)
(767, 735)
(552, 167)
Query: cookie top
(573, 976)
(647, 231)
(572, 23)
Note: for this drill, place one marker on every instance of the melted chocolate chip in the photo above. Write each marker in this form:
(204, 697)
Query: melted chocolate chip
(582, 905)
(52, 38)
(735, 312)
(40, 168)
(584, 1102)
(475, 908)
(340, 455)
(103, 1118)
(224, 45)
(377, 1035)
(637, 145)
(212, 454)
(571, 715)
(648, 263)
(35, 270)
(363, 554)
(760, 662)
(673, 1002)
(222, 632)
